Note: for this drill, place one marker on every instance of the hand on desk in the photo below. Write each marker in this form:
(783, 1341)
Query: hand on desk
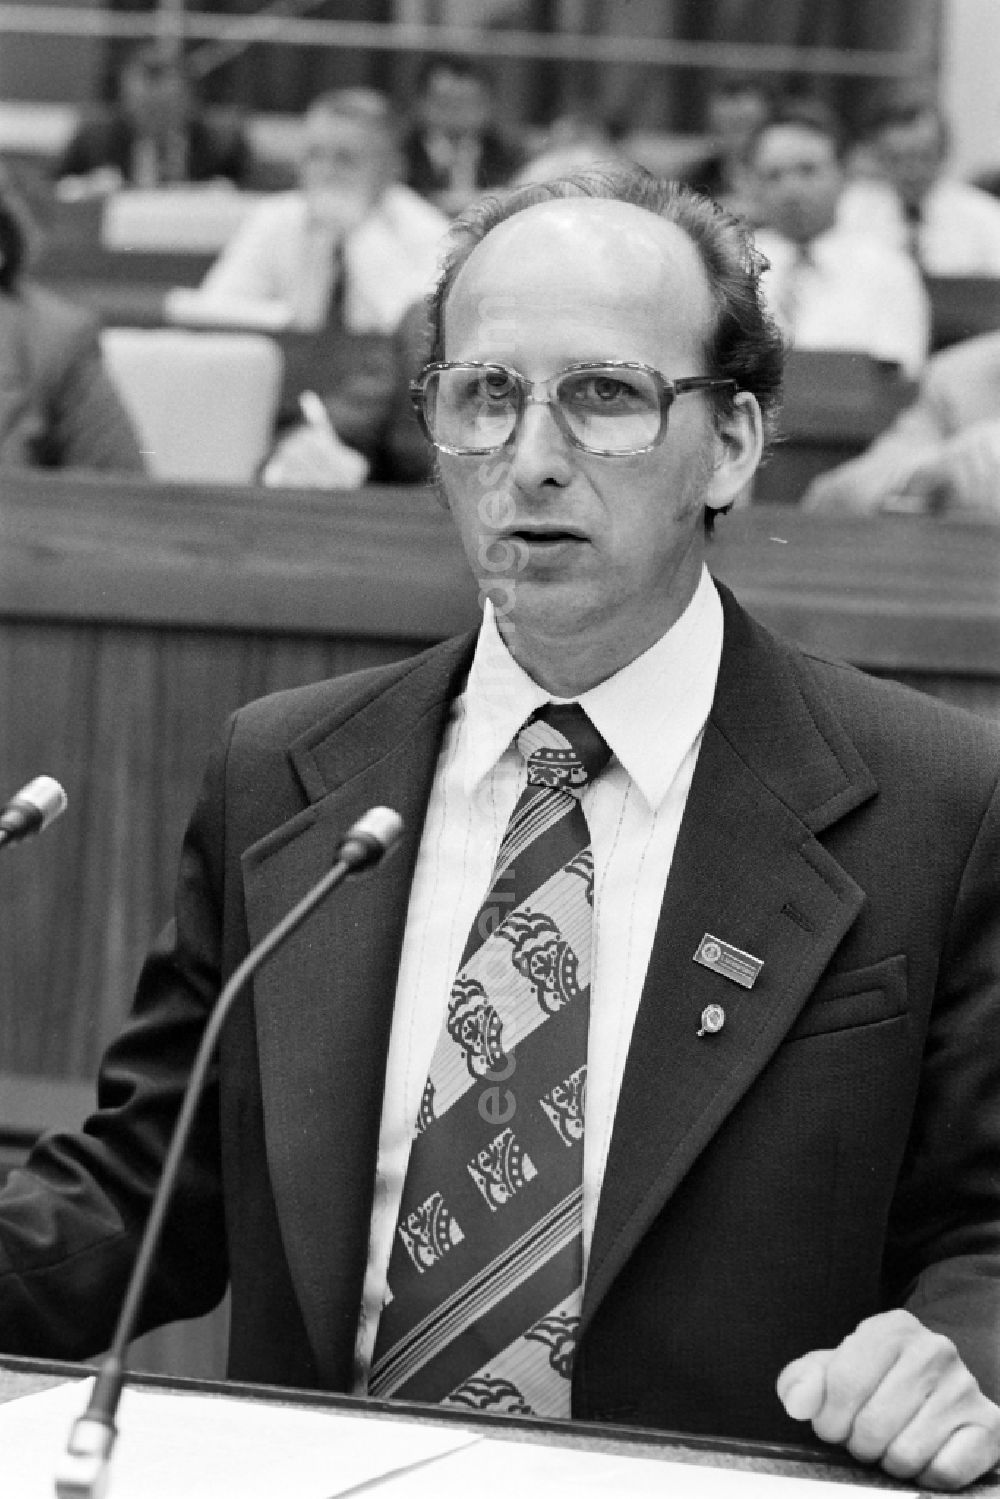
(898, 1394)
(312, 458)
(964, 474)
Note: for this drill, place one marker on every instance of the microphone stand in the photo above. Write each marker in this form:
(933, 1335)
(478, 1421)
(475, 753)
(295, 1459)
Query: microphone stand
(83, 1472)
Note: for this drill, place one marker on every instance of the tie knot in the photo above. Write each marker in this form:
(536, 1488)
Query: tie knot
(562, 748)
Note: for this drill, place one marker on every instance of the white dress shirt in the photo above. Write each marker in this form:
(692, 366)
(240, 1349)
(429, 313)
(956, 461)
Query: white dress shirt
(652, 714)
(282, 263)
(852, 293)
(959, 230)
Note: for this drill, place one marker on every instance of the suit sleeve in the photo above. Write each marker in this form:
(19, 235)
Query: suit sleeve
(70, 1221)
(81, 153)
(947, 1217)
(249, 266)
(88, 424)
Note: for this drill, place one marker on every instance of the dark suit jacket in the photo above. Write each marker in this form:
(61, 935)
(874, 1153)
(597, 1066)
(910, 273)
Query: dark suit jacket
(831, 1152)
(59, 407)
(499, 158)
(216, 148)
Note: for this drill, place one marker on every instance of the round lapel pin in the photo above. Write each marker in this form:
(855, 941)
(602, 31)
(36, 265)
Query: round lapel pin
(713, 1018)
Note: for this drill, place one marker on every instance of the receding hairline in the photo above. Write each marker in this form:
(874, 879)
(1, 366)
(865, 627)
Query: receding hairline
(563, 215)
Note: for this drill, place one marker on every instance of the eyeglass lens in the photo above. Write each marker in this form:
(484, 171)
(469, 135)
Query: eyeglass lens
(607, 409)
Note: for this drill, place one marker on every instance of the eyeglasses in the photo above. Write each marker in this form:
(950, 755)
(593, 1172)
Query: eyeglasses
(615, 409)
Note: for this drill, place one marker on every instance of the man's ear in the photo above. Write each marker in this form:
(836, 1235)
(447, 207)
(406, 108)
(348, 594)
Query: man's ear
(739, 442)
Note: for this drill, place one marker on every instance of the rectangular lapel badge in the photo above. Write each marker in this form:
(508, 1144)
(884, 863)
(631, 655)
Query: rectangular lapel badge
(732, 962)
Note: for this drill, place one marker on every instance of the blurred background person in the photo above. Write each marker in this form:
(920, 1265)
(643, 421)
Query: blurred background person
(950, 227)
(340, 260)
(827, 286)
(156, 134)
(571, 143)
(454, 147)
(58, 405)
(363, 428)
(350, 240)
(735, 107)
(941, 455)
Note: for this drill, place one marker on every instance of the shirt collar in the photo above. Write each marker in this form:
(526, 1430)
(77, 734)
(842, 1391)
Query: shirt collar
(650, 713)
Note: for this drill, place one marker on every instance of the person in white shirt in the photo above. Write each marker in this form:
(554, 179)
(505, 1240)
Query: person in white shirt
(941, 455)
(350, 230)
(950, 227)
(351, 248)
(828, 287)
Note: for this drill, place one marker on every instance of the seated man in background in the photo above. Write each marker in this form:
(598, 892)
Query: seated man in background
(453, 149)
(736, 107)
(941, 455)
(364, 428)
(950, 227)
(58, 405)
(156, 135)
(828, 288)
(337, 262)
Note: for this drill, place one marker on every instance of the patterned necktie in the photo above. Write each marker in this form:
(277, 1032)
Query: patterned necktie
(486, 1271)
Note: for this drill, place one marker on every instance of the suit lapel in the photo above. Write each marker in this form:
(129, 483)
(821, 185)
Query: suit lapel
(749, 869)
(332, 984)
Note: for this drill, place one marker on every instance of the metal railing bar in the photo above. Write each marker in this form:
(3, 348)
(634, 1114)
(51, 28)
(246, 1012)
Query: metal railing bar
(401, 37)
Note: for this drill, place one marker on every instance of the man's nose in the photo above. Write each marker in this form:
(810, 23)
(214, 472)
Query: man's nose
(542, 453)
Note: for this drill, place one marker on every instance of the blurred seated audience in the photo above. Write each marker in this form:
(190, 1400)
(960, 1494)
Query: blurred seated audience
(950, 227)
(155, 135)
(454, 148)
(336, 263)
(737, 104)
(58, 405)
(828, 287)
(941, 455)
(350, 242)
(573, 142)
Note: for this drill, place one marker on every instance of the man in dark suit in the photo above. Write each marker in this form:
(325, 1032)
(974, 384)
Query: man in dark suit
(454, 149)
(155, 134)
(781, 928)
(59, 407)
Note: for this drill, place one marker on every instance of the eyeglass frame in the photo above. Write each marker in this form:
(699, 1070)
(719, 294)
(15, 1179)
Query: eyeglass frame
(667, 392)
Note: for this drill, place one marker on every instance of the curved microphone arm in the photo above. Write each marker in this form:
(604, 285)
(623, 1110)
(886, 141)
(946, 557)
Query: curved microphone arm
(84, 1468)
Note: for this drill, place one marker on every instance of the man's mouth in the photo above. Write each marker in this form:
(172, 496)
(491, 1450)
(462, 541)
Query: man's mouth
(547, 535)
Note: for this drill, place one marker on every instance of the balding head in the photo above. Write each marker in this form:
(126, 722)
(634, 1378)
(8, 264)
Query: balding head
(741, 342)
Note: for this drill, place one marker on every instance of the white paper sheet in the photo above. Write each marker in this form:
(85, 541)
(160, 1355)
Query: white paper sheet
(179, 1446)
(518, 1470)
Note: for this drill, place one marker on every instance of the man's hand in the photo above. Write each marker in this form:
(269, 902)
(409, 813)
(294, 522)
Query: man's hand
(312, 458)
(964, 475)
(897, 1394)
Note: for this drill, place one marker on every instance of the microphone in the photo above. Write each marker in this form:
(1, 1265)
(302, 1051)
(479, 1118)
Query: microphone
(32, 810)
(83, 1470)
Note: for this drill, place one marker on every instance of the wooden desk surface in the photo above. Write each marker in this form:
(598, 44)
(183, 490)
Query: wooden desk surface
(125, 288)
(24, 1377)
(888, 592)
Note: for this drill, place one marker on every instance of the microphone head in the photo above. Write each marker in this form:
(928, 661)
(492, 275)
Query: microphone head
(48, 796)
(33, 808)
(369, 839)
